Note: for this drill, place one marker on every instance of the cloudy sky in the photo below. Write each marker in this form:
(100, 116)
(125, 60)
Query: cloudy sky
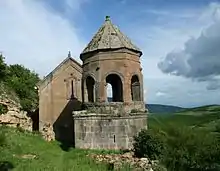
(180, 40)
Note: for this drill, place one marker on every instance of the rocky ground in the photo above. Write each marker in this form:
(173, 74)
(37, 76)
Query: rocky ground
(116, 161)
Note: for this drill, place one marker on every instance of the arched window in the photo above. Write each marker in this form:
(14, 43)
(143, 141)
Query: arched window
(71, 88)
(135, 88)
(90, 86)
(117, 87)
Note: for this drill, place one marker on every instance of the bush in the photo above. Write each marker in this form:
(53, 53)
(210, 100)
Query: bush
(159, 167)
(180, 149)
(23, 81)
(3, 109)
(149, 143)
(192, 150)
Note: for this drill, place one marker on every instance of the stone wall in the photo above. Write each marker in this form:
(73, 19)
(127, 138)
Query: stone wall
(17, 120)
(116, 108)
(104, 131)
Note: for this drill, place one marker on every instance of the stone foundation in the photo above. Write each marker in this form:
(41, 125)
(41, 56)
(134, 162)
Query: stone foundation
(104, 131)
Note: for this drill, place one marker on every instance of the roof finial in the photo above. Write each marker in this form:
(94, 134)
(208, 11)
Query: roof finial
(107, 18)
(69, 55)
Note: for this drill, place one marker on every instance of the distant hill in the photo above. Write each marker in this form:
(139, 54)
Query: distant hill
(159, 108)
(207, 108)
(207, 117)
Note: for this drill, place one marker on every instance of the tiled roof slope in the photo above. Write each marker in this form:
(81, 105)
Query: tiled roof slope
(109, 37)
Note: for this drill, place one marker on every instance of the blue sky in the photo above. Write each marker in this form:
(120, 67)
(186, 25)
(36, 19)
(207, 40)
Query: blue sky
(179, 40)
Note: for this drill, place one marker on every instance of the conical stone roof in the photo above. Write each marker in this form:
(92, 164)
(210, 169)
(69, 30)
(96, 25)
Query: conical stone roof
(109, 37)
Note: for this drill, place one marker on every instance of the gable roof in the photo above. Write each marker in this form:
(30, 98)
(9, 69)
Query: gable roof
(59, 66)
(109, 37)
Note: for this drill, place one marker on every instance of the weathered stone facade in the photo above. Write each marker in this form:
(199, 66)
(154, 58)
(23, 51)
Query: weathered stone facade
(111, 58)
(59, 95)
(107, 131)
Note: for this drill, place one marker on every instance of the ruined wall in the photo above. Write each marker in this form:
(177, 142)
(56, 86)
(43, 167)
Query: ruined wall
(12, 115)
(96, 131)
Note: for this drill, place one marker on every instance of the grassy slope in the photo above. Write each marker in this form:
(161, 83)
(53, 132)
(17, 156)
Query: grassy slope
(206, 117)
(49, 155)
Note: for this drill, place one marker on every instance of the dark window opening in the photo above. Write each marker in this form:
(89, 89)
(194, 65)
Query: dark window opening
(90, 85)
(72, 90)
(135, 88)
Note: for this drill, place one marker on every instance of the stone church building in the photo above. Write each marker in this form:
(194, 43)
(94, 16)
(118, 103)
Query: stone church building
(73, 97)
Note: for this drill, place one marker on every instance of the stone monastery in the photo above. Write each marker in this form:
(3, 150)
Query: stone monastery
(73, 97)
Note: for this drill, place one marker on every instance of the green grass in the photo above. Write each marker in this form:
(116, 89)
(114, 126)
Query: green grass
(206, 117)
(49, 155)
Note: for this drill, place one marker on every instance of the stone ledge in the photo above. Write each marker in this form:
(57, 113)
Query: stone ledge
(88, 104)
(94, 116)
(116, 108)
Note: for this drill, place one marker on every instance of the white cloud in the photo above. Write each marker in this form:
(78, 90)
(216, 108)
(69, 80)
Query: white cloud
(159, 94)
(32, 35)
(181, 92)
(200, 57)
(169, 35)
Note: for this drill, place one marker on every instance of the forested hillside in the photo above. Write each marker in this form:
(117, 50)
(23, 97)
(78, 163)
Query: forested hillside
(159, 108)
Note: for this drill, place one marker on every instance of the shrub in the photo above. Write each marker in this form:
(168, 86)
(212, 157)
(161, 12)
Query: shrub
(23, 81)
(3, 109)
(149, 143)
(159, 167)
(180, 148)
(192, 150)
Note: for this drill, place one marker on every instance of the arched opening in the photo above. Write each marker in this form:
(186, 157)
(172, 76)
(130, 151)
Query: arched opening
(135, 88)
(117, 88)
(90, 85)
(109, 92)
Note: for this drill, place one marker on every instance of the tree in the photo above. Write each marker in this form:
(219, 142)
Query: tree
(23, 82)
